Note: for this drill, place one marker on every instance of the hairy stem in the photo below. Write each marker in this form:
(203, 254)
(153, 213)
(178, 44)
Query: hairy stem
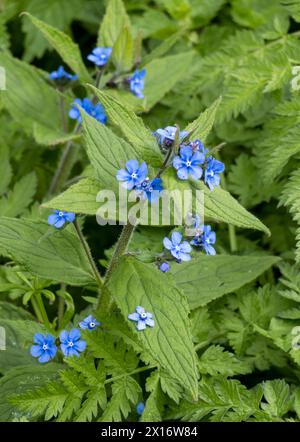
(42, 310)
(120, 249)
(65, 165)
(88, 253)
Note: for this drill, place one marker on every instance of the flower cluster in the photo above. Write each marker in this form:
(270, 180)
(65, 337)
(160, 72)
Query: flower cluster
(134, 176)
(96, 111)
(137, 84)
(100, 56)
(193, 160)
(61, 76)
(71, 344)
(58, 218)
(204, 238)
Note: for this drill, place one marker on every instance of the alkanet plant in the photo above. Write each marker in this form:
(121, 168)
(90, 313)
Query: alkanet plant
(150, 317)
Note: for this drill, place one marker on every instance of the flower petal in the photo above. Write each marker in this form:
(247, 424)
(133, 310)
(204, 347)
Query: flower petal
(45, 357)
(74, 334)
(195, 172)
(176, 238)
(141, 325)
(36, 351)
(182, 173)
(167, 243)
(134, 316)
(132, 166)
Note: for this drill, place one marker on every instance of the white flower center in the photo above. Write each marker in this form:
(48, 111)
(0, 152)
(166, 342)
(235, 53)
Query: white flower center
(92, 324)
(188, 163)
(133, 175)
(70, 344)
(45, 347)
(177, 248)
(143, 315)
(61, 213)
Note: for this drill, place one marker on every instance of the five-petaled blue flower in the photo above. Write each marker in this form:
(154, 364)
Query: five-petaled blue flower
(180, 250)
(140, 408)
(99, 56)
(164, 267)
(188, 163)
(136, 82)
(205, 240)
(44, 348)
(142, 318)
(96, 111)
(212, 172)
(71, 344)
(134, 174)
(59, 218)
(61, 74)
(150, 189)
(167, 135)
(89, 323)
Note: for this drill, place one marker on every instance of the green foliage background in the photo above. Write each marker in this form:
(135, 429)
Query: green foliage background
(230, 356)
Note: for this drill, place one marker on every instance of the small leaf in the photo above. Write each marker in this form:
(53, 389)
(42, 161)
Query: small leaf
(201, 127)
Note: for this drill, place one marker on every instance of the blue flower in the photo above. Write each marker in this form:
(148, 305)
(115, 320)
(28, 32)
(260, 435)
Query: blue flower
(45, 348)
(205, 240)
(212, 172)
(59, 218)
(198, 146)
(136, 82)
(180, 250)
(167, 135)
(99, 56)
(134, 174)
(164, 267)
(142, 318)
(96, 111)
(61, 74)
(140, 408)
(150, 189)
(188, 163)
(71, 344)
(89, 323)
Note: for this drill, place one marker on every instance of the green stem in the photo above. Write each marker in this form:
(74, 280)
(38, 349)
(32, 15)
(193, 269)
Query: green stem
(61, 306)
(88, 253)
(65, 165)
(138, 370)
(42, 310)
(120, 249)
(36, 309)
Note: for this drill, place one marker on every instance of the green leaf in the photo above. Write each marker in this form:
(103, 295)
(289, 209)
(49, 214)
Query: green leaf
(122, 54)
(45, 252)
(162, 48)
(219, 205)
(63, 44)
(114, 21)
(21, 196)
(19, 380)
(201, 127)
(206, 278)
(107, 152)
(79, 198)
(277, 394)
(132, 128)
(216, 361)
(5, 169)
(161, 79)
(48, 137)
(28, 98)
(169, 342)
